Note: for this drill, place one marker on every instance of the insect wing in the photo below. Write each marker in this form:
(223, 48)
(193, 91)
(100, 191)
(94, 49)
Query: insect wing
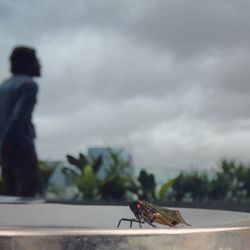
(175, 215)
(167, 216)
(160, 216)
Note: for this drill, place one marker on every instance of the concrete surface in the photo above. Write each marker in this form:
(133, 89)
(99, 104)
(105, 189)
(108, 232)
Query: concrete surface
(56, 226)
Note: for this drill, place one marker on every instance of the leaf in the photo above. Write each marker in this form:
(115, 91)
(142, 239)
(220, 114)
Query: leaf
(97, 164)
(70, 172)
(164, 188)
(72, 160)
(87, 182)
(83, 160)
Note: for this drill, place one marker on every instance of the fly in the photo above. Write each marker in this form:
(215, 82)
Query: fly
(146, 212)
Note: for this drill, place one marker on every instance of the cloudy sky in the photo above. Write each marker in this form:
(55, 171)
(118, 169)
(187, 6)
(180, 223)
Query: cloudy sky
(167, 80)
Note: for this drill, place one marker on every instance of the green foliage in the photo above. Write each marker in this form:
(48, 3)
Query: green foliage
(231, 182)
(113, 188)
(47, 169)
(82, 161)
(117, 165)
(164, 189)
(115, 185)
(118, 181)
(190, 186)
(87, 182)
(148, 185)
(84, 175)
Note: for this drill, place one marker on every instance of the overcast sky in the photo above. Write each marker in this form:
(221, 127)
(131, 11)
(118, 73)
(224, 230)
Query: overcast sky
(167, 80)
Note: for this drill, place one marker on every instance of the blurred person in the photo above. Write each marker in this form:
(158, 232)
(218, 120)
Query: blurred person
(18, 96)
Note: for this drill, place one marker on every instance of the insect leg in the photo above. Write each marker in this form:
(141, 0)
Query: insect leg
(140, 223)
(152, 225)
(131, 221)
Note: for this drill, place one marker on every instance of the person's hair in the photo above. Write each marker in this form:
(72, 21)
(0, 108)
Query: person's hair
(21, 58)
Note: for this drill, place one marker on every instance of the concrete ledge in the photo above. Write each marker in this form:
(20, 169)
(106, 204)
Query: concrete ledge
(227, 238)
(53, 226)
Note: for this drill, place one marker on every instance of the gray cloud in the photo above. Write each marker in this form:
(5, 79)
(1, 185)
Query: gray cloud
(194, 27)
(164, 78)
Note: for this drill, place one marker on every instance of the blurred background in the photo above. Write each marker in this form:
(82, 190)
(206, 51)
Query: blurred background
(139, 99)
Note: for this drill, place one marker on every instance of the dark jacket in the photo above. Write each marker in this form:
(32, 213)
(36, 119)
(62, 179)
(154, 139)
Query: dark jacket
(17, 100)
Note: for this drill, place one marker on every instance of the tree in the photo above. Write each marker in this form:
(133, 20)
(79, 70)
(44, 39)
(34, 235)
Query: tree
(118, 183)
(84, 175)
(148, 185)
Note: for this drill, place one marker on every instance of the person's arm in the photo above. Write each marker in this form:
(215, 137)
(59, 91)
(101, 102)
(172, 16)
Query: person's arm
(22, 111)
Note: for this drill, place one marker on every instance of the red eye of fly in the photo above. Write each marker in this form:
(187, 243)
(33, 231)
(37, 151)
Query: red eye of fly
(138, 205)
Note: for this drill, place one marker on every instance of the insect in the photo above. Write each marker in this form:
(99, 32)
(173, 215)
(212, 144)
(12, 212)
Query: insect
(146, 212)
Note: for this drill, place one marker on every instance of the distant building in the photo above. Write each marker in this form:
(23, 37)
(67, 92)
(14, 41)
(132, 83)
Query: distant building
(105, 153)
